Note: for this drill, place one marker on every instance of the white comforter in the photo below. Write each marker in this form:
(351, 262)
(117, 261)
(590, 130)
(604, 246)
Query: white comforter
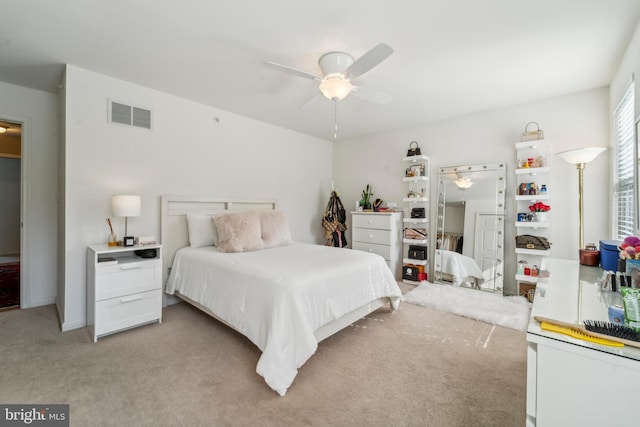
(278, 297)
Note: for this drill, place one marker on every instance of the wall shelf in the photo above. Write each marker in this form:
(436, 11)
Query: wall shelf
(418, 185)
(532, 171)
(532, 224)
(415, 220)
(536, 252)
(534, 198)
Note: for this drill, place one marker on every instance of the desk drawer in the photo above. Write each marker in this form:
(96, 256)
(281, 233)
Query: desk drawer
(127, 311)
(124, 279)
(376, 221)
(381, 237)
(382, 250)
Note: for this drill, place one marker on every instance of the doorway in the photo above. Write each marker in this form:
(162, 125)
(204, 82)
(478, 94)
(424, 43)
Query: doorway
(486, 250)
(10, 214)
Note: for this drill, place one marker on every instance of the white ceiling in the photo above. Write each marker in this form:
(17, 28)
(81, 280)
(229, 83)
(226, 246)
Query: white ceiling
(452, 57)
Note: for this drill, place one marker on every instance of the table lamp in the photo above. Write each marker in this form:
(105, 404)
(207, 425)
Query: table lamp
(126, 206)
(580, 157)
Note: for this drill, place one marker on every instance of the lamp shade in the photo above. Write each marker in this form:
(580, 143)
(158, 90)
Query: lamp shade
(125, 205)
(463, 183)
(581, 155)
(335, 88)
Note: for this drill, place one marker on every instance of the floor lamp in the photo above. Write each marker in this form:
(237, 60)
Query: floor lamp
(580, 158)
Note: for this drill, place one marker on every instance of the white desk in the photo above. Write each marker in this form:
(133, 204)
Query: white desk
(571, 382)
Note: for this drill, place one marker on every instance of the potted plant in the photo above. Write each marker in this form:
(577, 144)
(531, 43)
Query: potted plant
(365, 201)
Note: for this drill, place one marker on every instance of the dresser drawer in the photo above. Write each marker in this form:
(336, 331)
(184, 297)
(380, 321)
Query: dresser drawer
(127, 311)
(124, 279)
(382, 250)
(377, 221)
(368, 235)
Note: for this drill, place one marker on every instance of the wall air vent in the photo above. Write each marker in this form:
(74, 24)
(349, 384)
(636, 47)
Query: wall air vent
(128, 115)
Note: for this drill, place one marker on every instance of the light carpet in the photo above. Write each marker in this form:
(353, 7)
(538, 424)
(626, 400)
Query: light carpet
(508, 311)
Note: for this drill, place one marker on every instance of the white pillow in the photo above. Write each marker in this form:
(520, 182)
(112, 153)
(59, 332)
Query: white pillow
(201, 229)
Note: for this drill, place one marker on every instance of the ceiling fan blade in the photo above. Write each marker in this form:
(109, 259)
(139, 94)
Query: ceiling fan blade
(293, 71)
(311, 101)
(371, 95)
(368, 61)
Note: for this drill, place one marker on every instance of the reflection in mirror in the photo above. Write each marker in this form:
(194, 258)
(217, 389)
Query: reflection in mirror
(470, 227)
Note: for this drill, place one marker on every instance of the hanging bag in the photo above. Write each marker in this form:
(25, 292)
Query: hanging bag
(341, 214)
(532, 135)
(331, 222)
(414, 151)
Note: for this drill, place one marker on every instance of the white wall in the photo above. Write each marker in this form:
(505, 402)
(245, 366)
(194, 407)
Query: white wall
(187, 152)
(39, 113)
(572, 121)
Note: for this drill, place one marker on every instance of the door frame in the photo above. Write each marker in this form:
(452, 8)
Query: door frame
(25, 263)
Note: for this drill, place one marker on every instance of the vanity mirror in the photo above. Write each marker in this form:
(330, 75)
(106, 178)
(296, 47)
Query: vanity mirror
(470, 226)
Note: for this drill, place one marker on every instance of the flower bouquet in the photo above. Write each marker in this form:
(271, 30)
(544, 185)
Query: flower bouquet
(540, 210)
(630, 248)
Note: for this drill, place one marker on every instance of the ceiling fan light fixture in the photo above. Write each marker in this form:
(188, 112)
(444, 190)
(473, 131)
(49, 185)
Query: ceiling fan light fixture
(463, 183)
(3, 129)
(335, 88)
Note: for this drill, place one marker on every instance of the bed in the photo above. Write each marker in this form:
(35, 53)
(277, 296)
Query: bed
(285, 297)
(458, 268)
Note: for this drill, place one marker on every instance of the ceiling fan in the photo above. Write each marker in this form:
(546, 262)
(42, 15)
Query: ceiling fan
(339, 69)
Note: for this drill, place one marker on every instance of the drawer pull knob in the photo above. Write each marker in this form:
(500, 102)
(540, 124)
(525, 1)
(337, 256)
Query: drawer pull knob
(370, 221)
(371, 236)
(131, 298)
(370, 250)
(130, 267)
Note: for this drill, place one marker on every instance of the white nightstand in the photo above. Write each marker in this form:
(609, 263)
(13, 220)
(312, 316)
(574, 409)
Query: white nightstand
(123, 290)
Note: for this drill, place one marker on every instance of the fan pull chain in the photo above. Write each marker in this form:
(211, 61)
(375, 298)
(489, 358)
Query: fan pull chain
(335, 118)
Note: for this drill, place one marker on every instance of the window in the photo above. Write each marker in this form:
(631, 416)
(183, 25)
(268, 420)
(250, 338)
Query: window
(624, 167)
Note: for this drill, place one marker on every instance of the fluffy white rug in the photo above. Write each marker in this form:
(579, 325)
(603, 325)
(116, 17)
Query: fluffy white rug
(510, 312)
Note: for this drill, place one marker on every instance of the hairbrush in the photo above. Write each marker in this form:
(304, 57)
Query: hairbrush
(583, 329)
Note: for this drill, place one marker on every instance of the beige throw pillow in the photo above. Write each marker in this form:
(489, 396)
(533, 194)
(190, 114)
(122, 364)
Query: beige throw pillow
(238, 232)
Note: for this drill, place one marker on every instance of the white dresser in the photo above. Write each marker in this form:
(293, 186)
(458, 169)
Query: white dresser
(571, 382)
(379, 233)
(123, 289)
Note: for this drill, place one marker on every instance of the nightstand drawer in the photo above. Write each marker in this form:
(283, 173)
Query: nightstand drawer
(126, 311)
(377, 221)
(382, 250)
(382, 237)
(124, 279)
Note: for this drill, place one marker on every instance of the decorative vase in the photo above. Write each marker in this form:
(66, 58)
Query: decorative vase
(541, 217)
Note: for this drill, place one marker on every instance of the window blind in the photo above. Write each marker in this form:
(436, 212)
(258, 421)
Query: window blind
(624, 167)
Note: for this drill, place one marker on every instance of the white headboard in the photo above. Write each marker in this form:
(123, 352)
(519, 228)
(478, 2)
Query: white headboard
(173, 221)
